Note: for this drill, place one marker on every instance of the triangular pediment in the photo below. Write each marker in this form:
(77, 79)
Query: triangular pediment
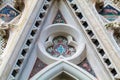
(61, 17)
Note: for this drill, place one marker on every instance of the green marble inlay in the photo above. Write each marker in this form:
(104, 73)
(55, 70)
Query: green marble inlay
(110, 13)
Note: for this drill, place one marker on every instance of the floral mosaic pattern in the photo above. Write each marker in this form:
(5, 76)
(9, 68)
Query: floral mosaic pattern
(8, 13)
(85, 65)
(110, 13)
(59, 18)
(39, 65)
(60, 47)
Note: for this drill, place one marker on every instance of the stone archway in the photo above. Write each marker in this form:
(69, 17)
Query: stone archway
(57, 68)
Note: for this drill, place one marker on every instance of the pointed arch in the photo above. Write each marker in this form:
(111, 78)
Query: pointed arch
(63, 66)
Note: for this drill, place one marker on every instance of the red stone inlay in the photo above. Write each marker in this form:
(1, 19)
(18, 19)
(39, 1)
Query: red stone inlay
(85, 65)
(39, 65)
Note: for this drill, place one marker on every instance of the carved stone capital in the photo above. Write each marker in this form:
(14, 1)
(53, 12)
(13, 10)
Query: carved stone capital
(4, 29)
(2, 33)
(5, 26)
(115, 27)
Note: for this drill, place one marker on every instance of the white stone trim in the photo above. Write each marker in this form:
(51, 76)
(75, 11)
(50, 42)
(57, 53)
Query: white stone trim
(54, 29)
(62, 65)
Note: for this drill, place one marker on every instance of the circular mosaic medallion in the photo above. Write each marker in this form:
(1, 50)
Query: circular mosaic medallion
(60, 49)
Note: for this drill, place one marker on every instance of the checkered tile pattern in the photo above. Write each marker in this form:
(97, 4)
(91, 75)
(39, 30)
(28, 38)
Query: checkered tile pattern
(2, 44)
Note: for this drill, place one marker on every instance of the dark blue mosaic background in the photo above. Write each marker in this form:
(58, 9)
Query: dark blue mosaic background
(8, 13)
(110, 13)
